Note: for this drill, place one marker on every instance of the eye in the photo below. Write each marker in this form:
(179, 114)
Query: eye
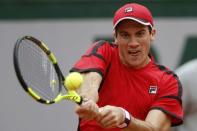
(141, 33)
(124, 35)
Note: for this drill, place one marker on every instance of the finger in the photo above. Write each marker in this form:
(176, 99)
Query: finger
(104, 116)
(81, 112)
(85, 115)
(89, 110)
(108, 117)
(108, 121)
(101, 114)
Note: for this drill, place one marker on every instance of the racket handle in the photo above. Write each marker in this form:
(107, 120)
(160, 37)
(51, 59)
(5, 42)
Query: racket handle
(81, 101)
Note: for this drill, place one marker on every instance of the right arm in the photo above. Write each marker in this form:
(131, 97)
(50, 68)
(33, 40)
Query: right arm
(93, 65)
(89, 93)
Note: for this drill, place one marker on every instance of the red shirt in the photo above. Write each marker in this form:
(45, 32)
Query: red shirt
(137, 91)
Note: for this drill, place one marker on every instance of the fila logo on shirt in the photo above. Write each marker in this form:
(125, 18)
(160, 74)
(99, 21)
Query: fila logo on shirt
(152, 90)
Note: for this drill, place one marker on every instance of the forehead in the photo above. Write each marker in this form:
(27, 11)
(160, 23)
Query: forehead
(127, 24)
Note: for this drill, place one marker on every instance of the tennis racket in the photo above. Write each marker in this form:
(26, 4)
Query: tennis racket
(39, 74)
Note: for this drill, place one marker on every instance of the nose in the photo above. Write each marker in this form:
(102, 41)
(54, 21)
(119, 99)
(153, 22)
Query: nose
(133, 43)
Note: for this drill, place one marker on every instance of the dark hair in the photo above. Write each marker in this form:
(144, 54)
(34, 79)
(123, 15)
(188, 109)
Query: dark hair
(149, 29)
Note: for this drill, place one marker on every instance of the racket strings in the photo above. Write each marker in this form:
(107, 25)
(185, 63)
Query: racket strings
(38, 71)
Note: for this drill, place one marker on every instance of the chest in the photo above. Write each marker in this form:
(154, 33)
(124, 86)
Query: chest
(135, 91)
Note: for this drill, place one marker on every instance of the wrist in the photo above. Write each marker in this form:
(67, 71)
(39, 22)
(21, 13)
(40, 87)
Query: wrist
(127, 119)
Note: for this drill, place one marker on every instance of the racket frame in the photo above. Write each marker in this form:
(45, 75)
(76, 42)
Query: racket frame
(70, 95)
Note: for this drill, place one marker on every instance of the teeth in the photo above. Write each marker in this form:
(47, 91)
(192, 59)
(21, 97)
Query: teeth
(132, 51)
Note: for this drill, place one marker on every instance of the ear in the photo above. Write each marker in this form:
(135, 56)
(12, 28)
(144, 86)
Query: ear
(153, 33)
(115, 36)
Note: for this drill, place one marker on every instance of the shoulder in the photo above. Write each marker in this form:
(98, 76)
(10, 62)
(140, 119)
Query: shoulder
(163, 71)
(103, 43)
(169, 81)
(168, 78)
(101, 47)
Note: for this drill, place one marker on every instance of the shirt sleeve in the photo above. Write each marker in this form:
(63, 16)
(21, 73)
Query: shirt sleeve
(96, 59)
(169, 98)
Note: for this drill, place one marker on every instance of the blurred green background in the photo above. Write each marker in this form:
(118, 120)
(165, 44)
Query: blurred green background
(28, 9)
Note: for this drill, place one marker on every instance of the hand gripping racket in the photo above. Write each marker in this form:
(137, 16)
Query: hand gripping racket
(39, 74)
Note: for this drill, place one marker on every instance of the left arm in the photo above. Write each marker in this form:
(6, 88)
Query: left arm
(156, 120)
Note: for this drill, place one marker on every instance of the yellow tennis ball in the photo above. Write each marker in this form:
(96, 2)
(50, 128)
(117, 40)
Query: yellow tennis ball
(73, 81)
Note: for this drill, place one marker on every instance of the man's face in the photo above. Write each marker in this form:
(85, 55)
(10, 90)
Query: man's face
(134, 41)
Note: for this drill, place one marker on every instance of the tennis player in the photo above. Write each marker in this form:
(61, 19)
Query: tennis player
(124, 88)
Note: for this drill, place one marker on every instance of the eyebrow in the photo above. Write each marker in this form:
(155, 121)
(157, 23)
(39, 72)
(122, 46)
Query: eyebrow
(141, 30)
(123, 31)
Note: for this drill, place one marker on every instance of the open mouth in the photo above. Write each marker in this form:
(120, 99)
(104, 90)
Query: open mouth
(134, 53)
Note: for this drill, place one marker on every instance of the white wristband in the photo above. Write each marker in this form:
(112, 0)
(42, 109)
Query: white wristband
(127, 119)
